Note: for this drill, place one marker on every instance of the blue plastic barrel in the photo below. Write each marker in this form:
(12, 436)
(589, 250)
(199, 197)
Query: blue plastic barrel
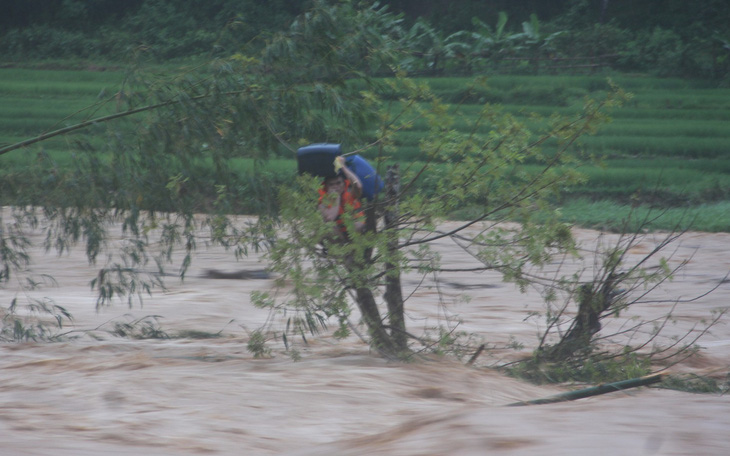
(318, 159)
(371, 182)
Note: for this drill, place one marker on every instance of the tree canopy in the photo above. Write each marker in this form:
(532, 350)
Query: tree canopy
(667, 37)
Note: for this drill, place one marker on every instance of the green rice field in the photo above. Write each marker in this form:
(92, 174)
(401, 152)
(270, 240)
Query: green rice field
(668, 143)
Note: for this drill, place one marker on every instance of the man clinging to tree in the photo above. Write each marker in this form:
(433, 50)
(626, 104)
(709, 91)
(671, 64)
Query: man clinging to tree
(339, 195)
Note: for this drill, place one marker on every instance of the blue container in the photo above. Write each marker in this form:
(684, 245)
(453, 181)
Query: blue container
(371, 182)
(318, 159)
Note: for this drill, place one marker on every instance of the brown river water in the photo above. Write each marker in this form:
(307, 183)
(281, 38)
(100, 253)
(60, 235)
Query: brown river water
(98, 394)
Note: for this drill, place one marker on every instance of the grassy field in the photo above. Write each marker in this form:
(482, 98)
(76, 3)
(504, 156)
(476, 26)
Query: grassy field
(668, 144)
(33, 102)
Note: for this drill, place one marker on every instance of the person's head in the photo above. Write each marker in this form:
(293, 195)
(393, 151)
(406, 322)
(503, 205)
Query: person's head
(335, 184)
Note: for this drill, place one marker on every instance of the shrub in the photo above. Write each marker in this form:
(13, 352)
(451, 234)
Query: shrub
(599, 39)
(658, 51)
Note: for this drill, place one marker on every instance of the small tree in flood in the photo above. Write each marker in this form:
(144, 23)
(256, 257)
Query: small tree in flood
(576, 338)
(498, 164)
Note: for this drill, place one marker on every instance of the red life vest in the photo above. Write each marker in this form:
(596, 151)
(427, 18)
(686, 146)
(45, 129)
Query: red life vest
(347, 203)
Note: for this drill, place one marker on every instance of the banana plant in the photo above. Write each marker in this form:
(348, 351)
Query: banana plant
(426, 47)
(474, 46)
(532, 40)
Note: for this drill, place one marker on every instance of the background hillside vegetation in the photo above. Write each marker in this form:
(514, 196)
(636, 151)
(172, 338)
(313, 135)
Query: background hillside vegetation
(665, 37)
(664, 149)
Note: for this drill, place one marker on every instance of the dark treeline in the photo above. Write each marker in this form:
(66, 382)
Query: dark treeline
(666, 37)
(678, 15)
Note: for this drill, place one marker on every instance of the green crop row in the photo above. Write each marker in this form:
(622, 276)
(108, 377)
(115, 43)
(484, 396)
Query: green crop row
(667, 147)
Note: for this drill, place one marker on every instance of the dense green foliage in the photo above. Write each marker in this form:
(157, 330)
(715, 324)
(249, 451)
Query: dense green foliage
(666, 37)
(113, 30)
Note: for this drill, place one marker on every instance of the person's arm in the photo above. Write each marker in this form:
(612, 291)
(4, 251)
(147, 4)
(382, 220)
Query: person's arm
(330, 206)
(355, 184)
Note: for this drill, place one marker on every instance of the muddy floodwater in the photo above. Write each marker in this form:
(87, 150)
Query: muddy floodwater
(95, 393)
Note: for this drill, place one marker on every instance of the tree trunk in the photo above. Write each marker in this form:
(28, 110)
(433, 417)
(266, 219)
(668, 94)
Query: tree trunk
(393, 343)
(387, 344)
(393, 292)
(379, 337)
(593, 302)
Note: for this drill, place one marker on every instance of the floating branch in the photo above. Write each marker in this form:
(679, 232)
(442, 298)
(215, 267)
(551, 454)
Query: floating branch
(594, 390)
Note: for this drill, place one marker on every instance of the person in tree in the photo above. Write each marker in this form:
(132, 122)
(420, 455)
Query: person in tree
(339, 195)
